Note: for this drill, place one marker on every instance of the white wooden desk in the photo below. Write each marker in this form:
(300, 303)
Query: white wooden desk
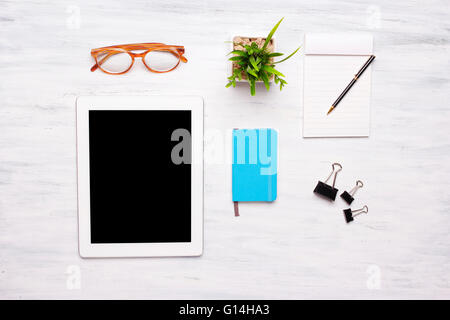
(299, 246)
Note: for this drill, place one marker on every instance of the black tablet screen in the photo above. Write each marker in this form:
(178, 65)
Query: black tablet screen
(140, 176)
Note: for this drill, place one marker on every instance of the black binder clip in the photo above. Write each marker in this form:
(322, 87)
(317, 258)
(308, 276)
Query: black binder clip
(348, 196)
(351, 214)
(326, 190)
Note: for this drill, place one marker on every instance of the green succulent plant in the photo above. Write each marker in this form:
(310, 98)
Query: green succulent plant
(257, 64)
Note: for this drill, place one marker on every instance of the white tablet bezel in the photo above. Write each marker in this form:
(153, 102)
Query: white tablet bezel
(90, 250)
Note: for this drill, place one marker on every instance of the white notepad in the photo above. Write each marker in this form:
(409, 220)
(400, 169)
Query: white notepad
(331, 61)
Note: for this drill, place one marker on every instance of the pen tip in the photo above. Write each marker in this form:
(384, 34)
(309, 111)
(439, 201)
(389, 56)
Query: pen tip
(331, 109)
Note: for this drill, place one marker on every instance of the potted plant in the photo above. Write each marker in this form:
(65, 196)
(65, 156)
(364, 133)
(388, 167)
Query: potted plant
(253, 61)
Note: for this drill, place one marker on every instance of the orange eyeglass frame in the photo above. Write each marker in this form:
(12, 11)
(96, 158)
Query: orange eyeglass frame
(177, 51)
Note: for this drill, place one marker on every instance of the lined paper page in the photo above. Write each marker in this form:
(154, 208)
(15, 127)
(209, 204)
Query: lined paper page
(325, 77)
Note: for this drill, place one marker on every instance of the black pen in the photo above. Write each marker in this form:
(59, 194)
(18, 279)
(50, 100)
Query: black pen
(360, 72)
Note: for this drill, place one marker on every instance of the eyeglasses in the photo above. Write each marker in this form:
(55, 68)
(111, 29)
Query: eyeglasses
(157, 57)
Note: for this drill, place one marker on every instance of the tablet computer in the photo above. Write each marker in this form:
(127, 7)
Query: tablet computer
(140, 176)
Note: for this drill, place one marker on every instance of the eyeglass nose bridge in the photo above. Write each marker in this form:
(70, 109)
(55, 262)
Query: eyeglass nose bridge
(142, 55)
(138, 55)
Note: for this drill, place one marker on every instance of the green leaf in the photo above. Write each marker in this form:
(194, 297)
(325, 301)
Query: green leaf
(253, 73)
(281, 81)
(238, 52)
(271, 34)
(265, 79)
(275, 54)
(288, 56)
(228, 84)
(252, 87)
(272, 70)
(239, 74)
(236, 58)
(254, 63)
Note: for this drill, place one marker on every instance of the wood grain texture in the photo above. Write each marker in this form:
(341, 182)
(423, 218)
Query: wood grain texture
(297, 247)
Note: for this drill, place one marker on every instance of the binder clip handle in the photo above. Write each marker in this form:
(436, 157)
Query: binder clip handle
(359, 184)
(334, 172)
(364, 209)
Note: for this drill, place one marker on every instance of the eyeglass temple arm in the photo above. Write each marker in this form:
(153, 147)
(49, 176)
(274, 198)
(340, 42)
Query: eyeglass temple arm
(179, 53)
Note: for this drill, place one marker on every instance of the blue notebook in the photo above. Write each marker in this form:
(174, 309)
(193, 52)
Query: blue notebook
(254, 165)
